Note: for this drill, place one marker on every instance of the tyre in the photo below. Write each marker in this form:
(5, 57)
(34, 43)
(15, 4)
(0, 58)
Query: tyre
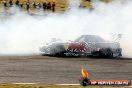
(120, 52)
(106, 52)
(59, 50)
(109, 53)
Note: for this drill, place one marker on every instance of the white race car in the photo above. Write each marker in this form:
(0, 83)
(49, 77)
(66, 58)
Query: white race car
(86, 45)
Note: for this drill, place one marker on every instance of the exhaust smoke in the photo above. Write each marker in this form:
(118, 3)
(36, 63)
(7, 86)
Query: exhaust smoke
(22, 34)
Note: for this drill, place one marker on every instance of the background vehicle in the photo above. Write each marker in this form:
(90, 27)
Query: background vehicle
(86, 45)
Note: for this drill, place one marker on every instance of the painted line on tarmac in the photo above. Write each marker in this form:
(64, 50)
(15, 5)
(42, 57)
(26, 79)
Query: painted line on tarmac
(25, 83)
(68, 84)
(53, 84)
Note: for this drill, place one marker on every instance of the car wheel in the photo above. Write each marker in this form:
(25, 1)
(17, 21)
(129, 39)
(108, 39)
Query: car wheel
(59, 50)
(106, 52)
(119, 52)
(109, 53)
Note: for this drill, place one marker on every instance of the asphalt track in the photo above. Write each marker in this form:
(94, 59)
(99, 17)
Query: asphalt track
(57, 70)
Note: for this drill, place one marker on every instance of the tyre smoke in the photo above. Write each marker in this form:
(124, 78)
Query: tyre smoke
(23, 34)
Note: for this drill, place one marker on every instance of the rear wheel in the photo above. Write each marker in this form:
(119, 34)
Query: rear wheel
(106, 52)
(109, 53)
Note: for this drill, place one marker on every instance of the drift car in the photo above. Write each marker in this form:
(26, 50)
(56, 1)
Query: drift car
(86, 45)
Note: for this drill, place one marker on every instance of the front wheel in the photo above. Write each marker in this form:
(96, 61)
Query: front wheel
(59, 50)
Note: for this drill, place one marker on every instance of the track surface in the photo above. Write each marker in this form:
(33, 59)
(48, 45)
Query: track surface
(50, 70)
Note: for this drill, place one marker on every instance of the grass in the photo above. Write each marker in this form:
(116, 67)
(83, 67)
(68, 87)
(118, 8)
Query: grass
(61, 5)
(53, 86)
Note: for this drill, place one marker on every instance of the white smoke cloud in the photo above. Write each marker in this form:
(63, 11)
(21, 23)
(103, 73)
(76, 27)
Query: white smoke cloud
(24, 34)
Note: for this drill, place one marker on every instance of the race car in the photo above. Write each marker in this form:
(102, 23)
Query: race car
(86, 45)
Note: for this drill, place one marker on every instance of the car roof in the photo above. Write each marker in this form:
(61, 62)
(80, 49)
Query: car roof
(89, 38)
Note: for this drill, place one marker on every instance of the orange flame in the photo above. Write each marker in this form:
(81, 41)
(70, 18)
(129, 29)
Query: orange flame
(84, 73)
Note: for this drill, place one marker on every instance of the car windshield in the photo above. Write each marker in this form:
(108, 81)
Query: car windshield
(90, 38)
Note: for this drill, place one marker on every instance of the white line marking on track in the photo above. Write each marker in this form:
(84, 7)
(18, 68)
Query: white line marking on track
(55, 84)
(25, 83)
(68, 84)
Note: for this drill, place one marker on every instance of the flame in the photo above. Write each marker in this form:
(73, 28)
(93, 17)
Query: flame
(84, 73)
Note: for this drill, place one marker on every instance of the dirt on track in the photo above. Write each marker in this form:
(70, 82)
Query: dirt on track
(52, 70)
